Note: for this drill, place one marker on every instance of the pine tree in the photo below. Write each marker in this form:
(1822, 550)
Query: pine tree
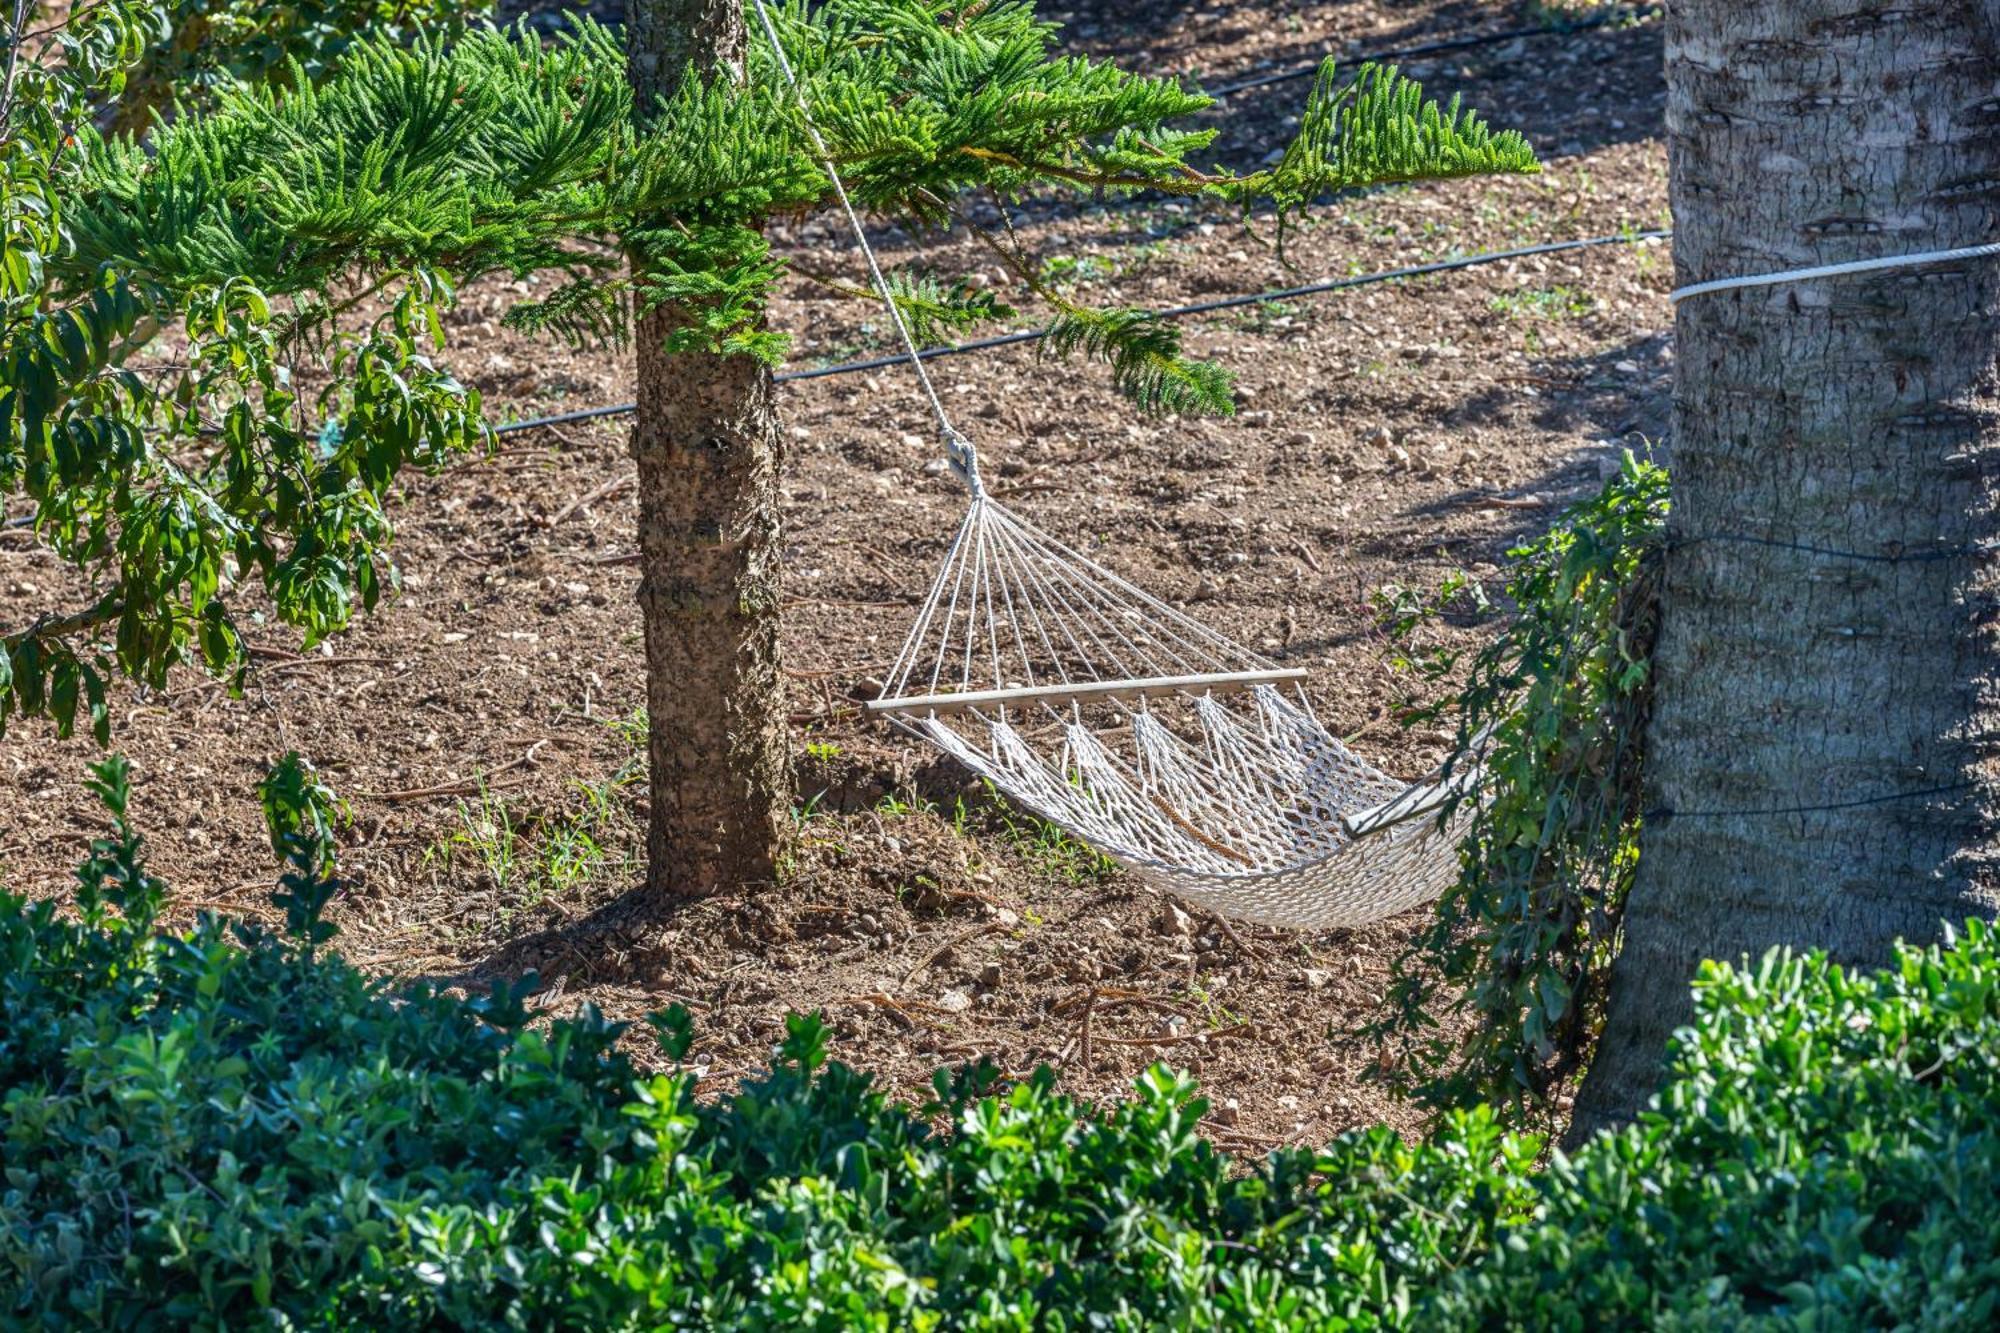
(272, 227)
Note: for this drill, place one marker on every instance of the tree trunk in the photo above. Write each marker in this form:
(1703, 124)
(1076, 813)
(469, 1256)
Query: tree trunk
(706, 443)
(1856, 414)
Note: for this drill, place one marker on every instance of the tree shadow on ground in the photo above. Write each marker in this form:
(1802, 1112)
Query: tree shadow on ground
(614, 942)
(1600, 405)
(1622, 393)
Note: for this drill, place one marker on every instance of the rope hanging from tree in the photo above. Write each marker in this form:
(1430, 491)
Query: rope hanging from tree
(1172, 749)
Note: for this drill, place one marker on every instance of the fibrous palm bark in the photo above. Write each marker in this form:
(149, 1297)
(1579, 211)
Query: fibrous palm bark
(1821, 759)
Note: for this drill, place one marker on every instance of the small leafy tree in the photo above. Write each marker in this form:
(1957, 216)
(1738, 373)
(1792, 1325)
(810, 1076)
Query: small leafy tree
(330, 226)
(171, 480)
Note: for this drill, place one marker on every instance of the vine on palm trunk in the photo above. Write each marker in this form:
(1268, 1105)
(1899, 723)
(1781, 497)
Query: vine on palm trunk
(1523, 943)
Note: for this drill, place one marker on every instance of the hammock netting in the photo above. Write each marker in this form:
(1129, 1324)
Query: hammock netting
(1172, 749)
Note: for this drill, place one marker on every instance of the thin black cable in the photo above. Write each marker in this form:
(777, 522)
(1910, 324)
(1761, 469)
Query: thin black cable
(1921, 555)
(1666, 814)
(1176, 312)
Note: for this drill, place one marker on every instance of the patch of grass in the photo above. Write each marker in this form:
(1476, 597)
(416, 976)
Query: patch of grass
(902, 804)
(809, 809)
(1061, 271)
(1266, 318)
(1047, 847)
(633, 729)
(1213, 1012)
(530, 858)
(486, 832)
(1550, 303)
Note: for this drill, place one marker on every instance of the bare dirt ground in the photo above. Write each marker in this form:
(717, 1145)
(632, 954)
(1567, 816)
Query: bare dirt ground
(483, 727)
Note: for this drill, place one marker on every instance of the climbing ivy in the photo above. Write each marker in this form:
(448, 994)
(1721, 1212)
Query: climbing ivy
(1519, 948)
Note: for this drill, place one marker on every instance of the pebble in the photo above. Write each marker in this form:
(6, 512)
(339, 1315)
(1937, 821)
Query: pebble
(954, 1001)
(1227, 1113)
(1300, 439)
(989, 976)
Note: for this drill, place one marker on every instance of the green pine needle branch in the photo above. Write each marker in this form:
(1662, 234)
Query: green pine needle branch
(329, 226)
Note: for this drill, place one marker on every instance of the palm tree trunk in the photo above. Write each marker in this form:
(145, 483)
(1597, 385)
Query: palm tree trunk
(706, 442)
(1805, 699)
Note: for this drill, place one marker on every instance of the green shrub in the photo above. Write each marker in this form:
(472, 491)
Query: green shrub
(224, 1128)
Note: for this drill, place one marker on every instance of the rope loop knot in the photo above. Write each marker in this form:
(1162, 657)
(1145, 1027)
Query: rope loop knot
(963, 460)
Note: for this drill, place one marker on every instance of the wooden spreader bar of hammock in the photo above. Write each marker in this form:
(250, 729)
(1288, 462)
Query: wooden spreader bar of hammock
(1216, 682)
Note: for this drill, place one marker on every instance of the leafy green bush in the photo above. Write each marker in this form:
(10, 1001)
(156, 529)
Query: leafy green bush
(1523, 943)
(223, 1128)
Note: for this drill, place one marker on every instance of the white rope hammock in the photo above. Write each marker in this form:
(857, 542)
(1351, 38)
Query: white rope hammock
(1181, 754)
(1166, 746)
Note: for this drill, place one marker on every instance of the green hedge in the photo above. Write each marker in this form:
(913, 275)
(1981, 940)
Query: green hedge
(224, 1128)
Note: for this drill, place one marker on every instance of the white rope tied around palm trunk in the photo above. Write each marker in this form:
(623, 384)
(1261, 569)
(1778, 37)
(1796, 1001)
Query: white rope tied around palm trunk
(1835, 270)
(1093, 703)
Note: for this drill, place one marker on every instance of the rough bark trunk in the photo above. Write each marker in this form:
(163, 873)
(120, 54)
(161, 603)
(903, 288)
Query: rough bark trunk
(1859, 415)
(706, 442)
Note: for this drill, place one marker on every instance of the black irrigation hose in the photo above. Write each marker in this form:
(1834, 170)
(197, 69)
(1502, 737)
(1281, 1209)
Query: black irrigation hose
(1598, 20)
(1033, 335)
(1177, 312)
